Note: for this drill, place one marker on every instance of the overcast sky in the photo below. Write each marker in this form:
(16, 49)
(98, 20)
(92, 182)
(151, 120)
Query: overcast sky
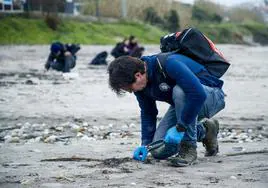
(226, 2)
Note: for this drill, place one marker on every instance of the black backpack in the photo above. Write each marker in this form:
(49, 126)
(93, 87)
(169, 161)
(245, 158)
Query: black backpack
(100, 59)
(73, 48)
(194, 44)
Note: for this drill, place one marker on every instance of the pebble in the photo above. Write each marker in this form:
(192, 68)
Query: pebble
(15, 132)
(238, 148)
(79, 134)
(96, 128)
(233, 177)
(75, 128)
(66, 124)
(52, 185)
(35, 150)
(239, 136)
(38, 139)
(85, 138)
(125, 127)
(10, 139)
(132, 125)
(50, 139)
(47, 133)
(85, 124)
(37, 127)
(59, 128)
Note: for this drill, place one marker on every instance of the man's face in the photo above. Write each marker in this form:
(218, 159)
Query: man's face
(139, 84)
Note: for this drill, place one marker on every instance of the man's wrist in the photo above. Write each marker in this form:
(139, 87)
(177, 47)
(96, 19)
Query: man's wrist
(180, 128)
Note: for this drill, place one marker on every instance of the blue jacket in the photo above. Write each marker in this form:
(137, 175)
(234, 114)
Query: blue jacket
(179, 70)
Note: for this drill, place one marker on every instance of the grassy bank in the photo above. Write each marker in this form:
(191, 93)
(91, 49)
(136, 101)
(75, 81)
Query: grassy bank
(35, 31)
(236, 33)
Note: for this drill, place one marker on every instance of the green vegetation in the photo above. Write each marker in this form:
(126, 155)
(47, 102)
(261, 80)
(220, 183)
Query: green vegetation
(235, 33)
(35, 31)
(236, 25)
(17, 30)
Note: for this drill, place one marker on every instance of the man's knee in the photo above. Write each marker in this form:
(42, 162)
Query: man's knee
(214, 103)
(70, 60)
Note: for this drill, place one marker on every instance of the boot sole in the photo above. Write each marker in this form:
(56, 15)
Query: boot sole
(211, 154)
(177, 164)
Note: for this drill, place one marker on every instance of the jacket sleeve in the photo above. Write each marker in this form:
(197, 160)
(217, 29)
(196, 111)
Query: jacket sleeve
(195, 94)
(50, 59)
(149, 113)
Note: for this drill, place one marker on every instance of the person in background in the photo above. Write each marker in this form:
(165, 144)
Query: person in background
(62, 57)
(120, 49)
(192, 93)
(128, 47)
(134, 49)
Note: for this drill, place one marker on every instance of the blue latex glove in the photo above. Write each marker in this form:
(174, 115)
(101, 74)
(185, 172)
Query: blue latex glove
(140, 153)
(173, 136)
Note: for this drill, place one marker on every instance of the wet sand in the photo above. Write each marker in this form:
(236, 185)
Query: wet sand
(76, 120)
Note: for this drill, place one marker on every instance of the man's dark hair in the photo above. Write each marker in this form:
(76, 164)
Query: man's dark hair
(122, 72)
(131, 37)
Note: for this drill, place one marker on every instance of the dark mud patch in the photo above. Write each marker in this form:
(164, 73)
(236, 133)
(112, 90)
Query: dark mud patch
(7, 83)
(10, 181)
(161, 184)
(10, 184)
(94, 67)
(10, 83)
(252, 119)
(14, 165)
(110, 162)
(118, 171)
(264, 170)
(27, 75)
(114, 162)
(213, 180)
(250, 180)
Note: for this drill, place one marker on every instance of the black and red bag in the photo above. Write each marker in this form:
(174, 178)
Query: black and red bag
(194, 44)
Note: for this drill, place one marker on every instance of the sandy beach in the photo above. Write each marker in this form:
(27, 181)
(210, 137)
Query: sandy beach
(71, 130)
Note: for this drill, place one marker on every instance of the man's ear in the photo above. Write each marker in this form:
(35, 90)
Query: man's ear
(137, 75)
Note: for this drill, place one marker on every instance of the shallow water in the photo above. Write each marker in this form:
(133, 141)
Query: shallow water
(27, 91)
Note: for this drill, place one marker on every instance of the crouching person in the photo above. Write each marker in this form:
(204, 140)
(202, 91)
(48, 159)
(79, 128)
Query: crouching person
(193, 94)
(62, 57)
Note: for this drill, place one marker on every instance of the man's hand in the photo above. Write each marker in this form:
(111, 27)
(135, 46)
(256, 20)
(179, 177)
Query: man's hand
(67, 53)
(47, 65)
(173, 136)
(140, 153)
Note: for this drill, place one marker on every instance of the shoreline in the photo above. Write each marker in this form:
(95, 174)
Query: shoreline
(70, 130)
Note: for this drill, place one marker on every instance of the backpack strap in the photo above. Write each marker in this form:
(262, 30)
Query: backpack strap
(161, 59)
(160, 67)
